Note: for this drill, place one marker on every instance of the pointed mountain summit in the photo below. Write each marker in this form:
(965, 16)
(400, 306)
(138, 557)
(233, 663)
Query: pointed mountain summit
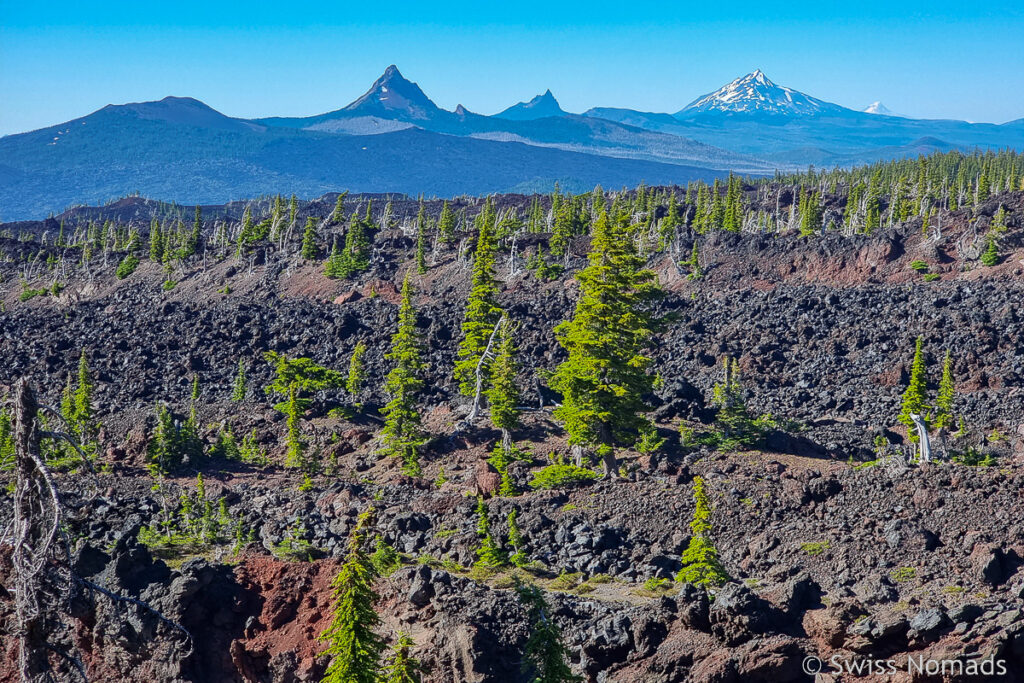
(393, 96)
(755, 93)
(540, 107)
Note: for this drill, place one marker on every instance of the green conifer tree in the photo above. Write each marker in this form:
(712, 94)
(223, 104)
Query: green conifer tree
(915, 397)
(402, 668)
(669, 224)
(83, 412)
(990, 257)
(354, 647)
(545, 659)
(355, 257)
(701, 565)
(240, 383)
(356, 369)
(488, 554)
(156, 243)
(334, 267)
(446, 225)
(503, 394)
(401, 435)
(482, 310)
(309, 238)
(605, 376)
(293, 376)
(515, 540)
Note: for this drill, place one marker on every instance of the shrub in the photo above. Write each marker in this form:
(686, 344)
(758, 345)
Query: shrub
(815, 548)
(919, 265)
(973, 457)
(127, 266)
(561, 475)
(903, 574)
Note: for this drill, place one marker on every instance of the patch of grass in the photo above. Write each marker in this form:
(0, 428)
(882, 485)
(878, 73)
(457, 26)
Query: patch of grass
(953, 590)
(480, 572)
(903, 574)
(569, 507)
(931, 277)
(445, 533)
(503, 581)
(584, 588)
(655, 584)
(566, 581)
(428, 560)
(600, 578)
(815, 548)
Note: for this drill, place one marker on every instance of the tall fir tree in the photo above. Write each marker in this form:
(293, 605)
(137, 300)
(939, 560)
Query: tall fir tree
(503, 394)
(915, 397)
(309, 238)
(353, 645)
(446, 224)
(401, 435)
(701, 565)
(334, 266)
(482, 310)
(605, 377)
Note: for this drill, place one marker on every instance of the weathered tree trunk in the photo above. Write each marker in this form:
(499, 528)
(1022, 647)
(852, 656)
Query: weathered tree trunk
(925, 446)
(577, 455)
(36, 522)
(484, 357)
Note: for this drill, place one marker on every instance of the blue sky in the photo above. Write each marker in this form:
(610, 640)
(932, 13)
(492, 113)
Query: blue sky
(60, 60)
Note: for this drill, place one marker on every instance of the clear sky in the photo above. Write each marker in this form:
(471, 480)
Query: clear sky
(63, 59)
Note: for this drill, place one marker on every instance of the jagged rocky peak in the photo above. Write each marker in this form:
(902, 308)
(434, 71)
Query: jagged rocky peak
(393, 93)
(541, 106)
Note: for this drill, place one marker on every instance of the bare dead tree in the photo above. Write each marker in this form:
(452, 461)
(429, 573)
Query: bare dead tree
(43, 580)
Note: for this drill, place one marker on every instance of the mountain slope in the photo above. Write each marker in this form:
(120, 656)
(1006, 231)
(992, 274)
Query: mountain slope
(124, 149)
(755, 117)
(394, 103)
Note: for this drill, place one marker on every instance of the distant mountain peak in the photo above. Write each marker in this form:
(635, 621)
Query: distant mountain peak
(540, 107)
(880, 109)
(186, 111)
(756, 93)
(392, 93)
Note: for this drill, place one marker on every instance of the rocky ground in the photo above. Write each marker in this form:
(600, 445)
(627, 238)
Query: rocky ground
(830, 557)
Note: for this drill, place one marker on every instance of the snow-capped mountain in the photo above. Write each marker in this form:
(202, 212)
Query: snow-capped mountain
(540, 107)
(756, 94)
(880, 109)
